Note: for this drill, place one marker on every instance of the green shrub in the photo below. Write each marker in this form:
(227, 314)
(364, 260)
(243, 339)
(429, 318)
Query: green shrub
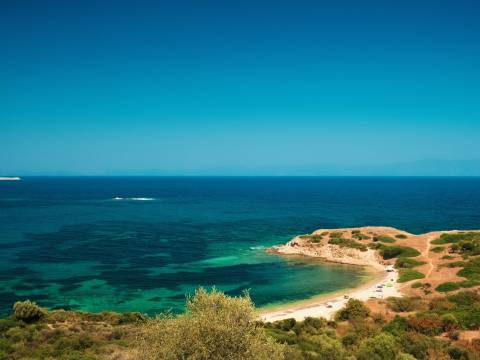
(421, 346)
(360, 236)
(465, 299)
(471, 269)
(281, 336)
(336, 235)
(315, 238)
(322, 347)
(447, 257)
(447, 286)
(397, 326)
(348, 243)
(390, 252)
(401, 236)
(437, 249)
(409, 275)
(381, 347)
(455, 238)
(28, 311)
(407, 263)
(416, 285)
(285, 325)
(384, 239)
(354, 309)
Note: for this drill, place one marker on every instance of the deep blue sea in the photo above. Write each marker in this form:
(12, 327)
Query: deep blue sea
(142, 243)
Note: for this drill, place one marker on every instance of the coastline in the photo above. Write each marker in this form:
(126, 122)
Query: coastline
(317, 306)
(381, 285)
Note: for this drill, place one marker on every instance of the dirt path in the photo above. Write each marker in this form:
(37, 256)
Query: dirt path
(426, 254)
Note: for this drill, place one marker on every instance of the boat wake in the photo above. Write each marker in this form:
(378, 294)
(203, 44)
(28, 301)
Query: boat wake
(133, 199)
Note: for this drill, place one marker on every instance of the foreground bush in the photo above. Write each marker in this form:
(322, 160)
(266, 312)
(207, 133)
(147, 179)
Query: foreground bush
(214, 327)
(28, 311)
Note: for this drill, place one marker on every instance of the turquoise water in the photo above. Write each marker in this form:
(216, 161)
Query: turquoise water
(68, 243)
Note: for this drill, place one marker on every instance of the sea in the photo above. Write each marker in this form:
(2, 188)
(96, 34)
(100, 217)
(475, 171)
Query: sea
(146, 243)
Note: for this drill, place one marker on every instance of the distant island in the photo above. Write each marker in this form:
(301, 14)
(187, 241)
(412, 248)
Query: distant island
(9, 178)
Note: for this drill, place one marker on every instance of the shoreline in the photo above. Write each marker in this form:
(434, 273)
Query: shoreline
(317, 306)
(381, 285)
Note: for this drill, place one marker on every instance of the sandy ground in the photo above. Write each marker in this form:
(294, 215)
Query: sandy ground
(328, 305)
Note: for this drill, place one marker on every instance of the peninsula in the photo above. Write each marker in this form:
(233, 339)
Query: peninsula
(402, 264)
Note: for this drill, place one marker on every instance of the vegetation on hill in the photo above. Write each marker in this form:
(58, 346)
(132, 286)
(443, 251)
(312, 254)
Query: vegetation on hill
(407, 263)
(409, 275)
(216, 326)
(314, 238)
(384, 239)
(347, 243)
(467, 245)
(390, 252)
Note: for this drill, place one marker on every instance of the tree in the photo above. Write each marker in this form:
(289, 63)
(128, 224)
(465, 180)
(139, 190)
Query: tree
(380, 347)
(354, 309)
(214, 327)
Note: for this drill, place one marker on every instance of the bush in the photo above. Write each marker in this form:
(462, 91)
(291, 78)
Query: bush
(384, 239)
(322, 347)
(390, 252)
(347, 243)
(354, 309)
(336, 235)
(449, 323)
(409, 275)
(403, 304)
(28, 311)
(437, 249)
(215, 326)
(285, 325)
(360, 236)
(441, 304)
(397, 326)
(416, 285)
(421, 346)
(447, 286)
(430, 325)
(455, 238)
(401, 236)
(315, 238)
(465, 299)
(380, 347)
(407, 263)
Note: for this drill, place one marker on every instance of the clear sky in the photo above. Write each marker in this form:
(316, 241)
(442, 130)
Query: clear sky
(239, 87)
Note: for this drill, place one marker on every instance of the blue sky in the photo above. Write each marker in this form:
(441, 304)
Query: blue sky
(245, 87)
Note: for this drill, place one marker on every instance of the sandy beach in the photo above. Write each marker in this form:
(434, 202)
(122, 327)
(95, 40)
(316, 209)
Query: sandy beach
(381, 286)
